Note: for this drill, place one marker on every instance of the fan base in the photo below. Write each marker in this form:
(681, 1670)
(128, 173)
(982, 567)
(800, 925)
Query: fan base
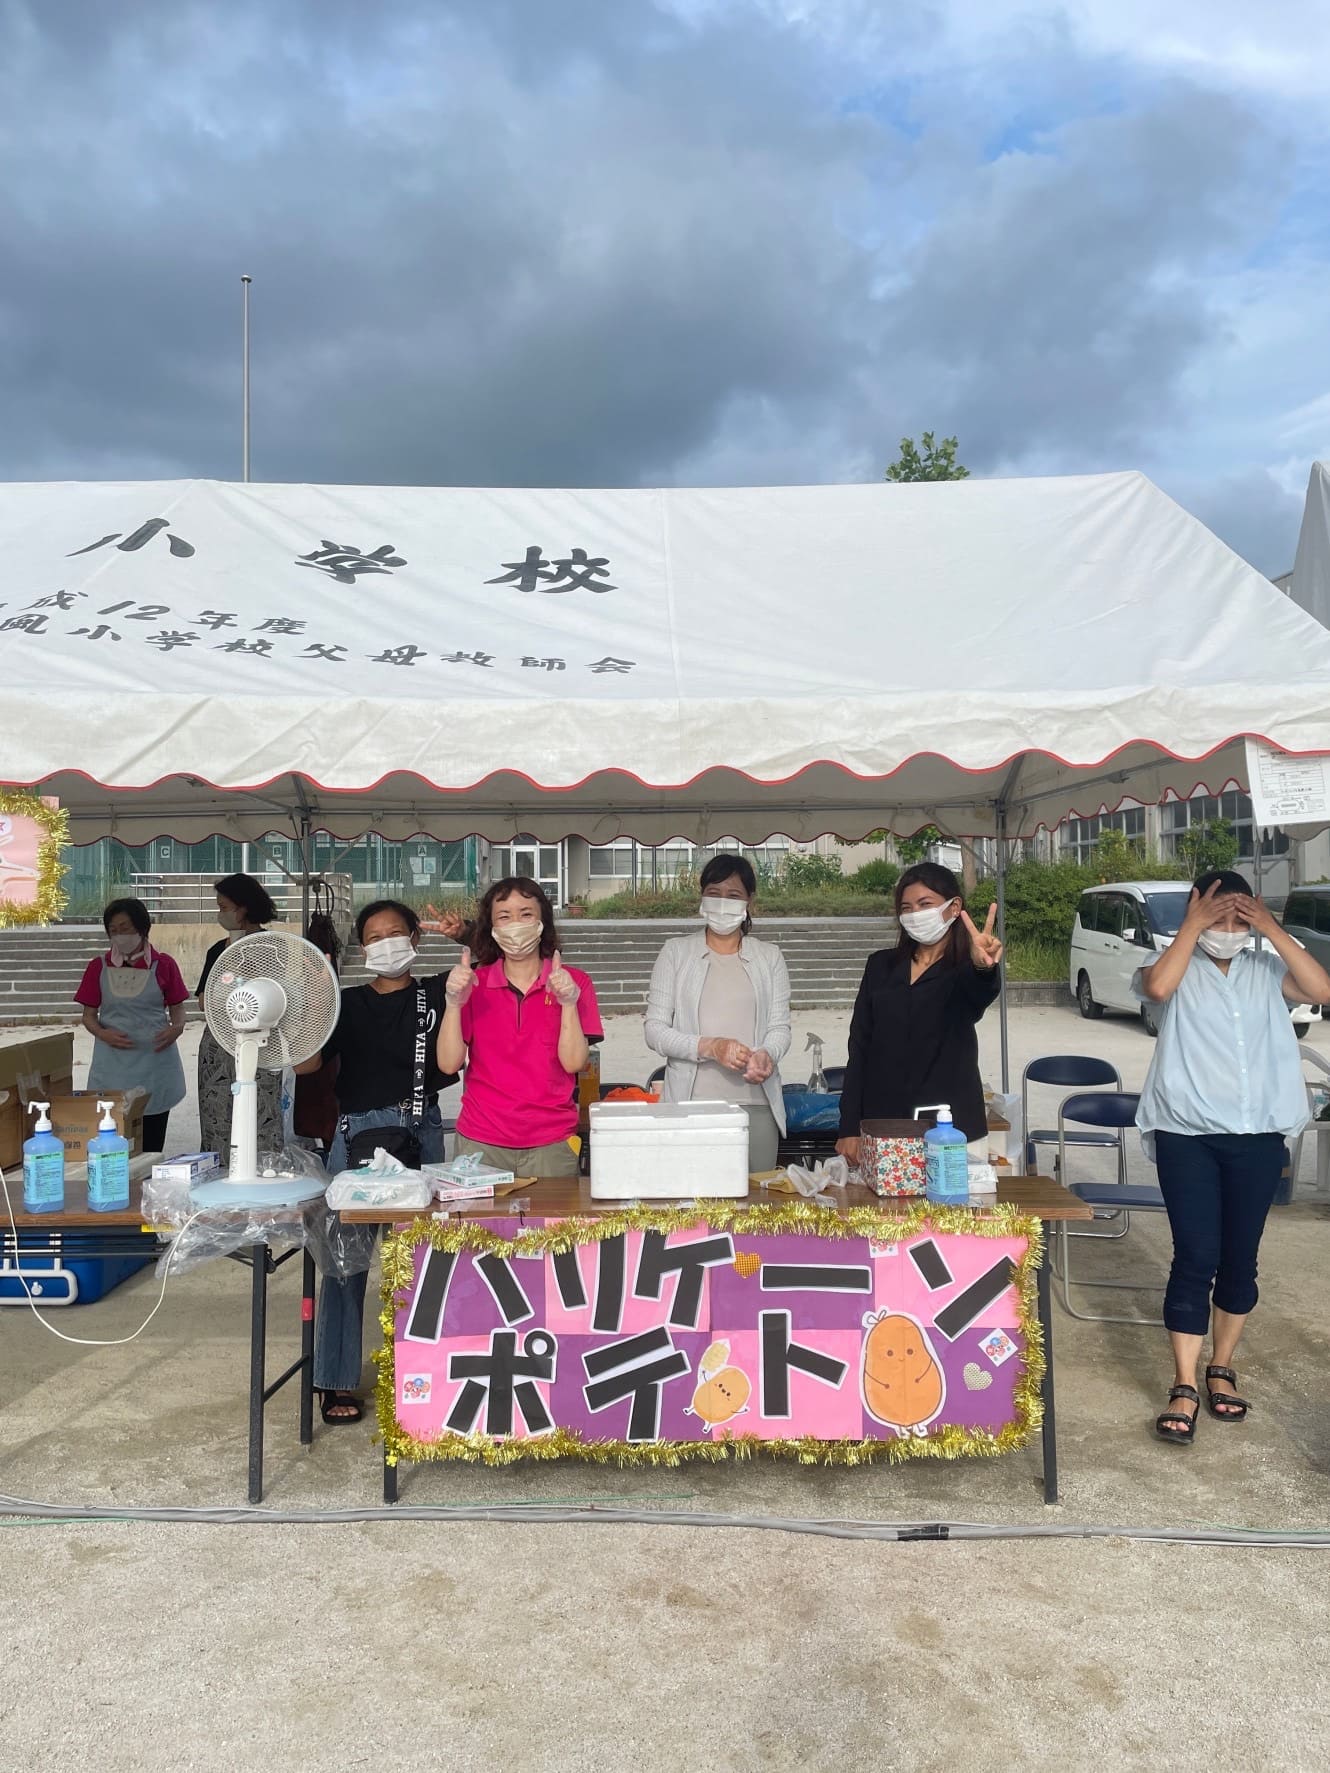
(284, 1191)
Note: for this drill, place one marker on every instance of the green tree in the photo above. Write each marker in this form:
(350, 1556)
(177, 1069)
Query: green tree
(1208, 846)
(915, 849)
(936, 461)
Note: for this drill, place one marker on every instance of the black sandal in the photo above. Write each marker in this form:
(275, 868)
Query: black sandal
(346, 1402)
(1187, 1432)
(1237, 1406)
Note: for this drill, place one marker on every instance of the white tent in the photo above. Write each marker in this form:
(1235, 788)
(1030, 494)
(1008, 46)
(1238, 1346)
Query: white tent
(1310, 586)
(194, 657)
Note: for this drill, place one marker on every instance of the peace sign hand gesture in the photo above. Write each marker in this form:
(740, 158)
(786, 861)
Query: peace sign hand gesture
(985, 946)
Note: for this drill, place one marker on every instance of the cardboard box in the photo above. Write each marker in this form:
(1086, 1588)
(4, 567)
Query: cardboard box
(30, 1069)
(75, 1119)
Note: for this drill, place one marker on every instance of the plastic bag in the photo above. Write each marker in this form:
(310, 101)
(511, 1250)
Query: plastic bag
(833, 1172)
(371, 1187)
(811, 1111)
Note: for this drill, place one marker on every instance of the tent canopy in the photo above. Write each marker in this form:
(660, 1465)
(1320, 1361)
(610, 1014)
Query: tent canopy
(195, 657)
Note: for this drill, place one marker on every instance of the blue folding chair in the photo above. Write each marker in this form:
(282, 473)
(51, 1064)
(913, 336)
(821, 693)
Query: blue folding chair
(1103, 1109)
(1069, 1071)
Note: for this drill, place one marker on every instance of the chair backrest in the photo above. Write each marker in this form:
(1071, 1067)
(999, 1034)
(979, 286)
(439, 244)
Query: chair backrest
(1100, 1108)
(1072, 1071)
(656, 1076)
(835, 1076)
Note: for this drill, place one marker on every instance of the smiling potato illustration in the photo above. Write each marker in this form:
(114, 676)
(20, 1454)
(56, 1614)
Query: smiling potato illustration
(722, 1391)
(903, 1385)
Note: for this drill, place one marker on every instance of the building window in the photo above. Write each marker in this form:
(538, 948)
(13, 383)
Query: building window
(611, 861)
(1178, 816)
(1079, 836)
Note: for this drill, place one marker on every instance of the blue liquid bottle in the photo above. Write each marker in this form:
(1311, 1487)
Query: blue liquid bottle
(43, 1166)
(946, 1165)
(108, 1167)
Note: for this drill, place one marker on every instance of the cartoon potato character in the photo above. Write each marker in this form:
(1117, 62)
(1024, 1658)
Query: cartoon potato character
(722, 1391)
(903, 1384)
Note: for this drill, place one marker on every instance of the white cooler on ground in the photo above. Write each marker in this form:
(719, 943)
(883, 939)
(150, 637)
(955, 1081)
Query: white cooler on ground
(668, 1150)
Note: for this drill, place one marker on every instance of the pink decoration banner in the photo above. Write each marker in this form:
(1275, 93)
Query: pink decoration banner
(702, 1334)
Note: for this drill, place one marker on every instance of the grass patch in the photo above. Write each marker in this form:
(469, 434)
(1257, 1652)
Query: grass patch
(1038, 961)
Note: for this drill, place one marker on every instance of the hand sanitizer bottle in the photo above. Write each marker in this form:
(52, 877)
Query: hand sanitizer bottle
(946, 1166)
(108, 1167)
(43, 1166)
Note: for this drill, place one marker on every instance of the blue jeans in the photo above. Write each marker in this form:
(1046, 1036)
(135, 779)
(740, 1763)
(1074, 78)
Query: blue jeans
(1217, 1188)
(339, 1329)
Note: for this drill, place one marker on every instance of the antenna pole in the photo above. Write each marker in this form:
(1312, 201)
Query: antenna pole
(244, 379)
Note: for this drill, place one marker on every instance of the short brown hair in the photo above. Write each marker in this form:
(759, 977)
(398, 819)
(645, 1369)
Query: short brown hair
(484, 949)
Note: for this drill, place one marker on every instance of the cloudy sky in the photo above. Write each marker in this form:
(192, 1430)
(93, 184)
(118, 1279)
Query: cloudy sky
(626, 242)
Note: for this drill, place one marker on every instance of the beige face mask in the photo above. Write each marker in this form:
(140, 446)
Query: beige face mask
(518, 939)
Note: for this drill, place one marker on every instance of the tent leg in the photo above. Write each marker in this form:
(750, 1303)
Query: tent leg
(304, 870)
(1001, 825)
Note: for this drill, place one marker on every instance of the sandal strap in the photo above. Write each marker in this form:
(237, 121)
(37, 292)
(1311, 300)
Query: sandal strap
(1234, 1403)
(1189, 1392)
(1222, 1373)
(1172, 1416)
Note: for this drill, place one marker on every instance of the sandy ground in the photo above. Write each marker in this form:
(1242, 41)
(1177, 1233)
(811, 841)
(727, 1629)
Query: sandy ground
(453, 1642)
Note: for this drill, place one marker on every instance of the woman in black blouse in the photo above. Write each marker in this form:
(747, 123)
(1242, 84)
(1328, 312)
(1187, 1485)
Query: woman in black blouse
(912, 1037)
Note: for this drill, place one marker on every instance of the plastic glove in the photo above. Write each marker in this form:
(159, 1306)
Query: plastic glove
(461, 981)
(561, 984)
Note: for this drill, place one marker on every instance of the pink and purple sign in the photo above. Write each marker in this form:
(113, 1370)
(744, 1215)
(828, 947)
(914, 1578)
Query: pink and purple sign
(702, 1333)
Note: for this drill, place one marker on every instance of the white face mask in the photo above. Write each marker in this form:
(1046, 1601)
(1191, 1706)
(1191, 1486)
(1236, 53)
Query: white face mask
(926, 927)
(390, 956)
(518, 939)
(722, 915)
(128, 944)
(1223, 944)
(230, 920)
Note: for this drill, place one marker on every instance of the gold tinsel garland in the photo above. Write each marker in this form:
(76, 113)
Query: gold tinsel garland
(54, 821)
(952, 1442)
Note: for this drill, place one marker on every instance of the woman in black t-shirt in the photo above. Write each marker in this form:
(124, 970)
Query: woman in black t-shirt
(913, 1040)
(375, 1044)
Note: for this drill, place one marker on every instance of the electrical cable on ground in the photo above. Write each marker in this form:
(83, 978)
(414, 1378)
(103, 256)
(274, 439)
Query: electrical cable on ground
(28, 1511)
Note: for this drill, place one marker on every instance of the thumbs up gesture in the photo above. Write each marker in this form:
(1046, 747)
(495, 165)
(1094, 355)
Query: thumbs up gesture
(461, 980)
(561, 983)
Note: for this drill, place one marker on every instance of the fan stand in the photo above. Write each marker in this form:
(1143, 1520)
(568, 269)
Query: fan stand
(243, 1187)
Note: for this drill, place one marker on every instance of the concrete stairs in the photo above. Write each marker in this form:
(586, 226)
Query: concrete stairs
(825, 955)
(40, 969)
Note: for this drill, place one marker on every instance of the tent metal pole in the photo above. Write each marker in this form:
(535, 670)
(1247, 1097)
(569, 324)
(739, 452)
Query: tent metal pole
(1000, 806)
(1000, 821)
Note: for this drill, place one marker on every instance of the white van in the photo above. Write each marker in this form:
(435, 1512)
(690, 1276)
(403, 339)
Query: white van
(1117, 927)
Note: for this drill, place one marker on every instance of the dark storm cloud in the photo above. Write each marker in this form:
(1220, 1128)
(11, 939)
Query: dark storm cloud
(578, 243)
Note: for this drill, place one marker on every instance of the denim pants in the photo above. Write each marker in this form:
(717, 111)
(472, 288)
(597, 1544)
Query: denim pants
(1217, 1188)
(340, 1326)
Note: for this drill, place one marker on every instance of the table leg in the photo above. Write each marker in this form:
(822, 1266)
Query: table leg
(307, 1297)
(1050, 1429)
(389, 1481)
(258, 1337)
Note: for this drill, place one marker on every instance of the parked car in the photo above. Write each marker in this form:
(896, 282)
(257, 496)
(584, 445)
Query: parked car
(1117, 927)
(1307, 919)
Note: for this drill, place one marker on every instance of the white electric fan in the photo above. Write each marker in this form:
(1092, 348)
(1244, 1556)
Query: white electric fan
(272, 1000)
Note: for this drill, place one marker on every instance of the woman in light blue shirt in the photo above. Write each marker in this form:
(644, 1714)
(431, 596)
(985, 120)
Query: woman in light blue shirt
(1223, 1093)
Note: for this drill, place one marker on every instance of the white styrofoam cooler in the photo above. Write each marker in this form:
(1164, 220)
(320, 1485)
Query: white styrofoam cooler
(668, 1150)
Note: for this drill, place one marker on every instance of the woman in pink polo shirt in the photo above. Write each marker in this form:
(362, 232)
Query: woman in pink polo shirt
(522, 1023)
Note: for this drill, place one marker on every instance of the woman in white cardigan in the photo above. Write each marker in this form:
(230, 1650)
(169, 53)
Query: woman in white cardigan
(718, 1011)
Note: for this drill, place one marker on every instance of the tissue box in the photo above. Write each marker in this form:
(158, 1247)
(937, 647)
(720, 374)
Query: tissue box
(450, 1183)
(196, 1166)
(891, 1157)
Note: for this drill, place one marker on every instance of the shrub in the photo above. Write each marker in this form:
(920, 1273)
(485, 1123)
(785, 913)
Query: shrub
(875, 877)
(1041, 900)
(805, 873)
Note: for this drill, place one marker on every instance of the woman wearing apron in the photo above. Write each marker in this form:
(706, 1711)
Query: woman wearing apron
(134, 1007)
(243, 908)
